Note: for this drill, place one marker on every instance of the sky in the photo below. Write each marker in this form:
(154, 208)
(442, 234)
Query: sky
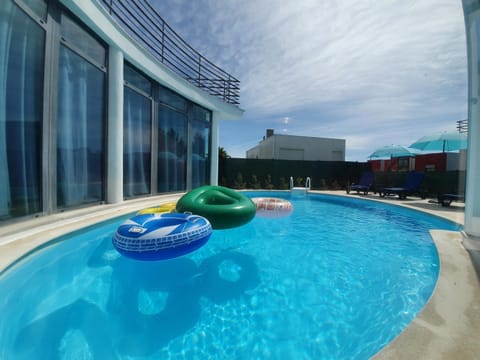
(372, 72)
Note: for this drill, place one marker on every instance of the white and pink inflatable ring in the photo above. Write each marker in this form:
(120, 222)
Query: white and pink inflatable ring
(272, 207)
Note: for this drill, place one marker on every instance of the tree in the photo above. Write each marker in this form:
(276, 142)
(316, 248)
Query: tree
(222, 153)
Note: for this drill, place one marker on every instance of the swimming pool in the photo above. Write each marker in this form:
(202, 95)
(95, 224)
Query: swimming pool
(339, 278)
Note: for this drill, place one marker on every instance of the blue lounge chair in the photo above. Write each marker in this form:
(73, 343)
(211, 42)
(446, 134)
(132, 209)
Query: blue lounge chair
(446, 199)
(413, 185)
(364, 185)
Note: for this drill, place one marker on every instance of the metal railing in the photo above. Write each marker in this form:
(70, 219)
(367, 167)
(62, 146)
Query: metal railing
(142, 21)
(307, 188)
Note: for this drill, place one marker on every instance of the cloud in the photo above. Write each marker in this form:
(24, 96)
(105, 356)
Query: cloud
(387, 65)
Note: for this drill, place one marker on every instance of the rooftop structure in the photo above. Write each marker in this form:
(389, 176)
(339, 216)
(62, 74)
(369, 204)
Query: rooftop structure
(462, 126)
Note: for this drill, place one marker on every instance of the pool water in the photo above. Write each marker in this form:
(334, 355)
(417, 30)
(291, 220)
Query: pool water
(340, 278)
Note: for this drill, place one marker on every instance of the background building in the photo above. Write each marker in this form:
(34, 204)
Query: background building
(292, 147)
(446, 161)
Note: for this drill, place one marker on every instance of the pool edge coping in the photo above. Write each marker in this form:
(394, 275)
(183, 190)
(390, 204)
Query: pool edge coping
(20, 239)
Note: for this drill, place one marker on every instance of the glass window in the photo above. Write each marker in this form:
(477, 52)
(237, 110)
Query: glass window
(137, 119)
(75, 35)
(172, 150)
(201, 128)
(22, 44)
(172, 99)
(39, 7)
(134, 78)
(80, 131)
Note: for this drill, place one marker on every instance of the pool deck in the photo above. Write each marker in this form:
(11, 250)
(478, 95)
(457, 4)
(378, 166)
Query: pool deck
(447, 328)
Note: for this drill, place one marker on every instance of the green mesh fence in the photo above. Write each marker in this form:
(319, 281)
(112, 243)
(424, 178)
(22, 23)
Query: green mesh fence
(325, 175)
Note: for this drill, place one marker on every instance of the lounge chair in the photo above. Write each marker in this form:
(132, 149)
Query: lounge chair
(413, 185)
(364, 185)
(446, 199)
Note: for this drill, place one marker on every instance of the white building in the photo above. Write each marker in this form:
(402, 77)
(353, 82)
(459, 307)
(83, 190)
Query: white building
(292, 147)
(100, 102)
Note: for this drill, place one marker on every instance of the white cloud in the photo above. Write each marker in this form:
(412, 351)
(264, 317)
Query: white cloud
(363, 68)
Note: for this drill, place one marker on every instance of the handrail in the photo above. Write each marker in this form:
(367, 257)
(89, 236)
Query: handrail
(305, 189)
(143, 22)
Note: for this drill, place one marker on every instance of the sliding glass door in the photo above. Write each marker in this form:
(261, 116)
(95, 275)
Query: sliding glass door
(137, 123)
(22, 47)
(80, 117)
(200, 120)
(172, 150)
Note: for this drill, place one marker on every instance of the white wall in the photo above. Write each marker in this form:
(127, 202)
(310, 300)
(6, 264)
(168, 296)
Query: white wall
(291, 147)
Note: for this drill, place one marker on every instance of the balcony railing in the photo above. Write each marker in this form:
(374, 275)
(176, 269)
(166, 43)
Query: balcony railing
(140, 19)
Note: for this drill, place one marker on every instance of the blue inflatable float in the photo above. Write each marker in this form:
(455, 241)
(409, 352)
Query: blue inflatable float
(161, 236)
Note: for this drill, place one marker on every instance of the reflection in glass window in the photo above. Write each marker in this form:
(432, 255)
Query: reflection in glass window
(137, 142)
(200, 127)
(81, 40)
(80, 131)
(39, 7)
(137, 80)
(173, 100)
(403, 164)
(22, 44)
(172, 150)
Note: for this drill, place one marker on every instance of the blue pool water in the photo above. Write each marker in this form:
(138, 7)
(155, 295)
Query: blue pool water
(339, 278)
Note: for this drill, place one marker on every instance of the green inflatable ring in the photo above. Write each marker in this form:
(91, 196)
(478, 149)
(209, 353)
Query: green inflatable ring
(223, 207)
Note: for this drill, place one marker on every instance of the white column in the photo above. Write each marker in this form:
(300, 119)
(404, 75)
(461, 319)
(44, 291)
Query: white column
(472, 201)
(214, 149)
(115, 127)
(472, 198)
